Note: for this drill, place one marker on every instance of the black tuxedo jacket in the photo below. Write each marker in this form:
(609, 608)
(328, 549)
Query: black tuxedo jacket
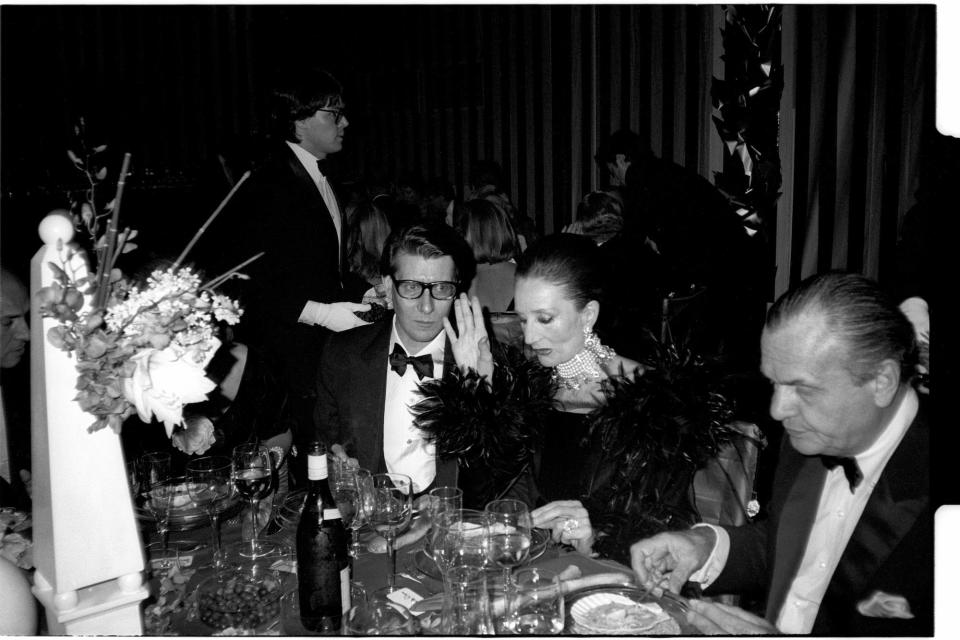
(284, 215)
(891, 549)
(351, 387)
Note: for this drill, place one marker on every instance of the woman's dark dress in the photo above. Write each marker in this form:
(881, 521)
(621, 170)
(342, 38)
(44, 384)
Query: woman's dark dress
(563, 468)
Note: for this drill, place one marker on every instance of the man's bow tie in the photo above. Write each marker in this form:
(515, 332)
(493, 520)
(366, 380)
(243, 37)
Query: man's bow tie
(323, 165)
(850, 469)
(399, 360)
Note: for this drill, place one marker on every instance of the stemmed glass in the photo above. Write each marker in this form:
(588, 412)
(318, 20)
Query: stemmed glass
(459, 542)
(354, 496)
(510, 529)
(252, 473)
(159, 498)
(208, 482)
(444, 499)
(390, 513)
(150, 471)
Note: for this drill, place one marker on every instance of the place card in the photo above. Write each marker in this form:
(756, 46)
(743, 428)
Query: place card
(407, 598)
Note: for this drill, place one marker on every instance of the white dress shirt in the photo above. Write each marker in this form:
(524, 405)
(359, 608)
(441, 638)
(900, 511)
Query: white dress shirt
(311, 308)
(405, 449)
(837, 515)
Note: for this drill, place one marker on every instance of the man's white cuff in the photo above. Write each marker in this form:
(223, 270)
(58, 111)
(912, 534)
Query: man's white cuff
(717, 560)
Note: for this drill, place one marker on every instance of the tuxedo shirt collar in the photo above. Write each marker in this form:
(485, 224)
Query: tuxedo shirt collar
(874, 459)
(307, 159)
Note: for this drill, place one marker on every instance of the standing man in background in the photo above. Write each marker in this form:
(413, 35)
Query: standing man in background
(289, 210)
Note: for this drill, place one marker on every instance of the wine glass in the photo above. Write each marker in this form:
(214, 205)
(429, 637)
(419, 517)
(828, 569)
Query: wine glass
(208, 482)
(510, 529)
(252, 472)
(459, 544)
(151, 468)
(444, 499)
(159, 499)
(379, 617)
(390, 514)
(360, 494)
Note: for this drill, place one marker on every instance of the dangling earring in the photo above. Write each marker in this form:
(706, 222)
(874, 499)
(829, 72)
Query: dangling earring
(590, 339)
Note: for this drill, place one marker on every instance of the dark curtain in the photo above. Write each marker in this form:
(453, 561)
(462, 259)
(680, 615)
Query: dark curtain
(433, 88)
(857, 118)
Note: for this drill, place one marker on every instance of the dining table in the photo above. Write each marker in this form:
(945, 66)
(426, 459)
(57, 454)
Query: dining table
(171, 608)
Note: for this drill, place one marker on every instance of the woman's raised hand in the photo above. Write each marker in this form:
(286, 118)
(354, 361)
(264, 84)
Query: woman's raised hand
(471, 348)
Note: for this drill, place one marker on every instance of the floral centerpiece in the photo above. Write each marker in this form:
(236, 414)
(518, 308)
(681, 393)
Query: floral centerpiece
(140, 347)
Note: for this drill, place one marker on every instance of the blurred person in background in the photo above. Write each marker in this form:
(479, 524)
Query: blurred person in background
(367, 233)
(491, 236)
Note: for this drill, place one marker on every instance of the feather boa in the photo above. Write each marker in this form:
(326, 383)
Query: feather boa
(651, 435)
(490, 429)
(655, 431)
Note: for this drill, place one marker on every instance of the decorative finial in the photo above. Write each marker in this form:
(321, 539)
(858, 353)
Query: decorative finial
(56, 227)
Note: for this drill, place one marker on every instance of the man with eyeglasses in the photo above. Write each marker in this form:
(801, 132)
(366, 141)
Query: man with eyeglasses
(294, 298)
(369, 377)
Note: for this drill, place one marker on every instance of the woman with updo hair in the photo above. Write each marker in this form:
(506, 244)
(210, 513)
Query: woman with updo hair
(561, 431)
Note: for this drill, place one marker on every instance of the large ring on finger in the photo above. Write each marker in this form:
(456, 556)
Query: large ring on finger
(570, 525)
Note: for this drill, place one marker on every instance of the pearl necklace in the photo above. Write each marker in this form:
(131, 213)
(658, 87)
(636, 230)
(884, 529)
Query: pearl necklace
(585, 365)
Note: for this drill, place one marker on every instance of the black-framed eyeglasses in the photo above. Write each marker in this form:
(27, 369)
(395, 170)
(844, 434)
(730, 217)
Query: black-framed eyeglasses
(338, 114)
(413, 289)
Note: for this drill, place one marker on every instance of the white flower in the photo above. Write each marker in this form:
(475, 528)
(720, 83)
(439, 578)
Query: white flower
(166, 379)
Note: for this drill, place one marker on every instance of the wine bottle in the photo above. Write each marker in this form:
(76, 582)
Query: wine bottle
(323, 568)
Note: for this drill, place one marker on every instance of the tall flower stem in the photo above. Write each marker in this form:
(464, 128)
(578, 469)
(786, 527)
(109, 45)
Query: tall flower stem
(104, 265)
(212, 217)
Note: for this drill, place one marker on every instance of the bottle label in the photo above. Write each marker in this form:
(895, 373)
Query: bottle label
(316, 467)
(331, 514)
(345, 589)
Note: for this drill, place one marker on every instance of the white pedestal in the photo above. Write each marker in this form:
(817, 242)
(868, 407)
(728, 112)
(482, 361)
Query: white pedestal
(87, 548)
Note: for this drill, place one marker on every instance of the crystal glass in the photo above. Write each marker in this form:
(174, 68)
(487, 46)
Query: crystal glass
(362, 495)
(151, 468)
(209, 485)
(442, 500)
(159, 499)
(509, 542)
(466, 610)
(459, 546)
(390, 512)
(252, 474)
(536, 605)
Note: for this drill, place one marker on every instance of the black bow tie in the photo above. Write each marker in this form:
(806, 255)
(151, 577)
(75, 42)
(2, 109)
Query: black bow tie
(399, 360)
(323, 165)
(850, 469)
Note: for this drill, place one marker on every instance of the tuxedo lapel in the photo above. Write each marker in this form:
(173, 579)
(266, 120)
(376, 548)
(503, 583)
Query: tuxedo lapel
(793, 529)
(373, 360)
(902, 494)
(308, 190)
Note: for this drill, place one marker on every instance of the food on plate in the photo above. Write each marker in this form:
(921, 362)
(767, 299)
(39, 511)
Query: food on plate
(618, 615)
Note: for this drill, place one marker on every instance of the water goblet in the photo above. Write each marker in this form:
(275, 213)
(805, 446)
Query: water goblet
(252, 473)
(509, 543)
(361, 494)
(209, 485)
(159, 499)
(390, 513)
(444, 499)
(151, 468)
